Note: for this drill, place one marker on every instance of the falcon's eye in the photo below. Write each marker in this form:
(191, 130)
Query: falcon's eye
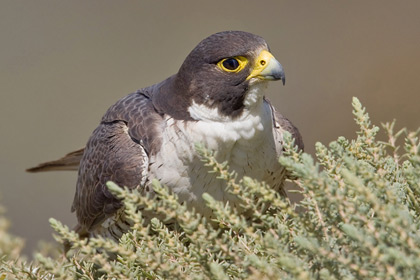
(233, 64)
(230, 64)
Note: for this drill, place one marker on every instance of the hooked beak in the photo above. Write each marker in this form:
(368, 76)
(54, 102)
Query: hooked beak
(267, 68)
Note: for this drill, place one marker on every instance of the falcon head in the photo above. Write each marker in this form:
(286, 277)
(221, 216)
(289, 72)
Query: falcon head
(222, 76)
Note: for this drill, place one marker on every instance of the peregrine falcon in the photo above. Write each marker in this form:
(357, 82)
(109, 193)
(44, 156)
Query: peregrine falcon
(216, 99)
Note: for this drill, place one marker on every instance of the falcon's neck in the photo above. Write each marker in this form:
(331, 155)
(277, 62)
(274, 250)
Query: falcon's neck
(253, 103)
(167, 100)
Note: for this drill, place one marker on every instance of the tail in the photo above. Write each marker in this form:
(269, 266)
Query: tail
(71, 161)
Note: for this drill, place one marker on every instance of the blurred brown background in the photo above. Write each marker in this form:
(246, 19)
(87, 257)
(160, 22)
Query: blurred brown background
(63, 63)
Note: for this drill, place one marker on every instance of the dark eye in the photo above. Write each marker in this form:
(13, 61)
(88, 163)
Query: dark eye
(231, 63)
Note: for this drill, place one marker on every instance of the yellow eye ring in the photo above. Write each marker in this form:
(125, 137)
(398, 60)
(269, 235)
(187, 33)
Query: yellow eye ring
(233, 64)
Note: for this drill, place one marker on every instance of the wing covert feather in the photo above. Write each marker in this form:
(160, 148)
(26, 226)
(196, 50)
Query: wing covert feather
(117, 151)
(280, 122)
(287, 125)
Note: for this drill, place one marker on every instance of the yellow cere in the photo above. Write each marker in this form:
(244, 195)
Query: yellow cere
(260, 63)
(239, 61)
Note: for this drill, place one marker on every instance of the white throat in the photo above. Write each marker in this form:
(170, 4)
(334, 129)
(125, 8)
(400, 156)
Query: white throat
(255, 93)
(252, 102)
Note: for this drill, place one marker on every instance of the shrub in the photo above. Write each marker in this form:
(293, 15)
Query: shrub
(360, 220)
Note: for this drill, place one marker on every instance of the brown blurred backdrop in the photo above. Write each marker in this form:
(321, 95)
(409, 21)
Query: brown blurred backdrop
(63, 63)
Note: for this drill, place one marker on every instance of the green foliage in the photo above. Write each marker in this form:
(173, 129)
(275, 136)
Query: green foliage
(10, 246)
(360, 220)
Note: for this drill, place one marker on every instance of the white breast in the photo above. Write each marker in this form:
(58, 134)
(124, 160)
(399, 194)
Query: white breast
(248, 144)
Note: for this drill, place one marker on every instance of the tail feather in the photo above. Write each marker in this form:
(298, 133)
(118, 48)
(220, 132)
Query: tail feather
(69, 162)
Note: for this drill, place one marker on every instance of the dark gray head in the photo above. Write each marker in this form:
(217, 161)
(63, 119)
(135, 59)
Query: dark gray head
(219, 72)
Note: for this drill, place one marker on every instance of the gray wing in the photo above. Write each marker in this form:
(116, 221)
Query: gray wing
(282, 123)
(117, 151)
